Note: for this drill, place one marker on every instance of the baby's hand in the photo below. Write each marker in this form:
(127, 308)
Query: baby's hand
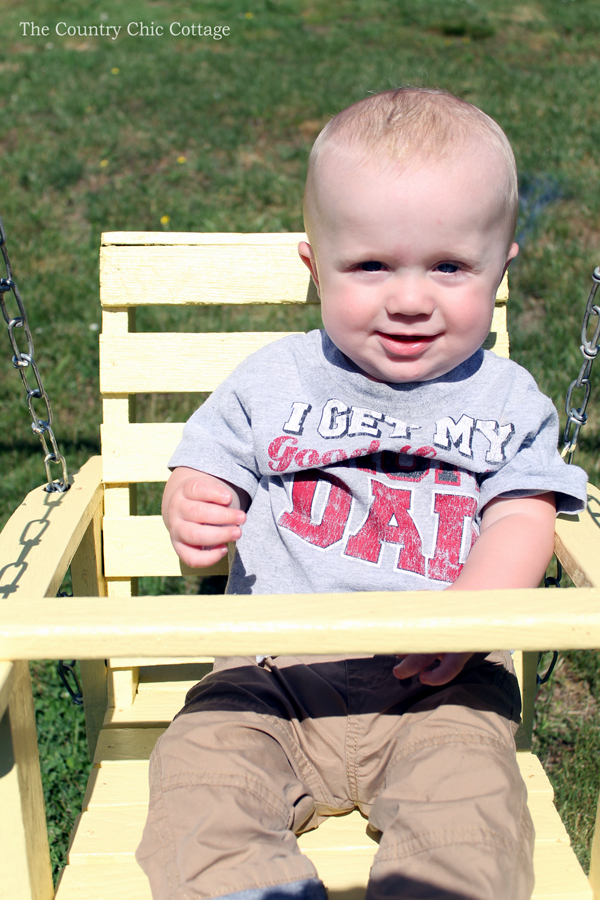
(423, 664)
(202, 514)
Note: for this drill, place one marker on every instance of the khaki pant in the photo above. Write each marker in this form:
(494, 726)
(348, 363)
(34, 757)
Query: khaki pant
(261, 753)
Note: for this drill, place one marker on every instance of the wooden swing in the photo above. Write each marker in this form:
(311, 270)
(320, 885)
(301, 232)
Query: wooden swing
(140, 655)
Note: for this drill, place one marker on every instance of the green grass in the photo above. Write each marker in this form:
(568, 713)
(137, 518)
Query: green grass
(567, 738)
(63, 756)
(85, 148)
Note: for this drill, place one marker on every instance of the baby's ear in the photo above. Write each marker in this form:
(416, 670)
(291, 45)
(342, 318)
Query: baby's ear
(308, 258)
(513, 251)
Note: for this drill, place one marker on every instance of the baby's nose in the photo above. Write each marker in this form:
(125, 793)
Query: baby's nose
(410, 296)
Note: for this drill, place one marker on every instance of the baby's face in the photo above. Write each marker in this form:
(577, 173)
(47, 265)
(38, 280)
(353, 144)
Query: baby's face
(407, 263)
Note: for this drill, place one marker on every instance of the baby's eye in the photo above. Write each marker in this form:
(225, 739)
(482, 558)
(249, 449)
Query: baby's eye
(371, 266)
(447, 268)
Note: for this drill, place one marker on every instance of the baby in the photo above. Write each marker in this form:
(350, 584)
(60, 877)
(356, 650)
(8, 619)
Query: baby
(386, 452)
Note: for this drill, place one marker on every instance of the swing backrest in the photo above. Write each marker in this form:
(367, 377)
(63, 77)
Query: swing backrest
(151, 269)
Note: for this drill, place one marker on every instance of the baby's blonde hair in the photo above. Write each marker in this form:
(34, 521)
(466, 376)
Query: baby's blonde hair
(407, 124)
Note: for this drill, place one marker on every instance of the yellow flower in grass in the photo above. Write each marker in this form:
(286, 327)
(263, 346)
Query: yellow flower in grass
(103, 163)
(181, 160)
(164, 220)
(115, 70)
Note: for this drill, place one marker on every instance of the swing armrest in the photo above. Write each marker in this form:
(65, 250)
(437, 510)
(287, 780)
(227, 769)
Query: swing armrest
(43, 534)
(577, 542)
(37, 545)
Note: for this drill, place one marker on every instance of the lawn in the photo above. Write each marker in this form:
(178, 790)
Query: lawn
(195, 133)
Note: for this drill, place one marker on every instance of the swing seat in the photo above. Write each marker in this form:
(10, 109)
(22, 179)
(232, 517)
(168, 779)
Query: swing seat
(139, 655)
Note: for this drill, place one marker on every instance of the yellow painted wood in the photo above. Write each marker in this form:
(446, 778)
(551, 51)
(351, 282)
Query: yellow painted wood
(533, 774)
(170, 674)
(122, 686)
(149, 708)
(526, 670)
(125, 783)
(502, 292)
(148, 362)
(88, 580)
(119, 587)
(120, 500)
(341, 852)
(126, 743)
(275, 239)
(126, 881)
(41, 537)
(595, 857)
(117, 783)
(377, 622)
(125, 450)
(558, 875)
(548, 823)
(116, 410)
(125, 627)
(140, 545)
(205, 268)
(24, 850)
(119, 409)
(498, 343)
(109, 832)
(576, 542)
(14, 866)
(116, 320)
(340, 848)
(161, 363)
(498, 339)
(125, 446)
(114, 881)
(106, 833)
(339, 833)
(226, 272)
(167, 662)
(117, 500)
(116, 802)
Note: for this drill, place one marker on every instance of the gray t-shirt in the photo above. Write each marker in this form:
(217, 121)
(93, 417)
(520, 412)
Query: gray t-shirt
(361, 485)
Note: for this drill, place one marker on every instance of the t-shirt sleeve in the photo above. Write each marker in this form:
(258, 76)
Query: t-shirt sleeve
(537, 467)
(218, 439)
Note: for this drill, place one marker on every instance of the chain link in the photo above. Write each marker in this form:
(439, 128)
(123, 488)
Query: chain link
(576, 416)
(24, 361)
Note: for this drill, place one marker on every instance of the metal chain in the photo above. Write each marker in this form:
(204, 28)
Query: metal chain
(22, 362)
(576, 417)
(67, 674)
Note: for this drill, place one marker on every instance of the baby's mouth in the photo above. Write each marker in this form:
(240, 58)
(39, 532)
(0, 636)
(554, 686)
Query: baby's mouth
(408, 339)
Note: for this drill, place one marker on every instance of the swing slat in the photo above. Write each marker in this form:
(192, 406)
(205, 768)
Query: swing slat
(576, 542)
(135, 363)
(359, 622)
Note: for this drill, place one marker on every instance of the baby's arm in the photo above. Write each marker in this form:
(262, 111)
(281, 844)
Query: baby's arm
(203, 514)
(513, 549)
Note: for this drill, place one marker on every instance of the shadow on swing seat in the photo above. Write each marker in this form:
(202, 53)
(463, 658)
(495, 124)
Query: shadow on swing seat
(139, 655)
